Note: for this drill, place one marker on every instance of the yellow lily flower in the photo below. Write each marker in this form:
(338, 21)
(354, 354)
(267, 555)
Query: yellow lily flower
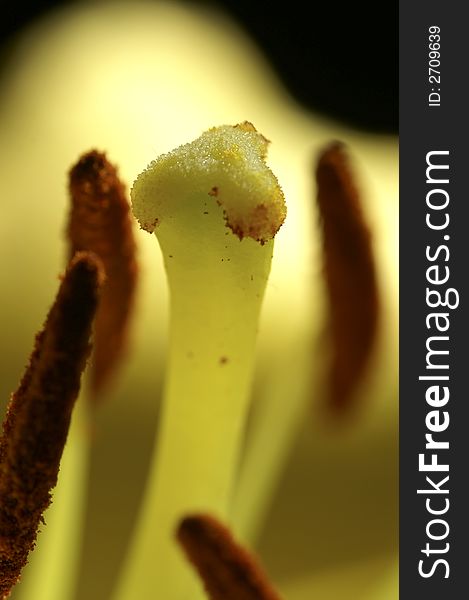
(317, 502)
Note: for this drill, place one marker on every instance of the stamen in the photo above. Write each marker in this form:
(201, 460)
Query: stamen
(39, 413)
(228, 571)
(100, 222)
(349, 271)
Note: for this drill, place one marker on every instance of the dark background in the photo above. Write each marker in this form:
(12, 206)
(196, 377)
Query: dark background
(339, 59)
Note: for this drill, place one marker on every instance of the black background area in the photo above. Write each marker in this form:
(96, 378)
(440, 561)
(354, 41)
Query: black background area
(340, 59)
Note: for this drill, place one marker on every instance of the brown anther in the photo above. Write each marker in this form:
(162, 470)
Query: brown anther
(349, 271)
(38, 418)
(228, 571)
(100, 222)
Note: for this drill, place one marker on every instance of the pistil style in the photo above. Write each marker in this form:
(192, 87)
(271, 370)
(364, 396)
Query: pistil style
(214, 206)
